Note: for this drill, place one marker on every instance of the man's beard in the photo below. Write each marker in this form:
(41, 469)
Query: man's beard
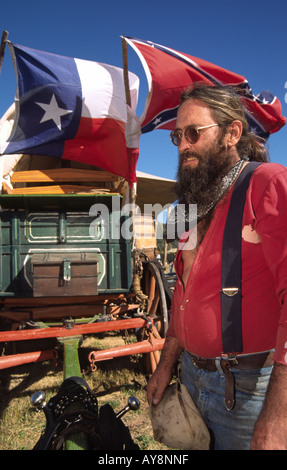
(202, 185)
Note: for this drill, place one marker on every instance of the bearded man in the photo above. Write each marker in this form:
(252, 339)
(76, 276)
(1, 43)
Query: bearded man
(240, 391)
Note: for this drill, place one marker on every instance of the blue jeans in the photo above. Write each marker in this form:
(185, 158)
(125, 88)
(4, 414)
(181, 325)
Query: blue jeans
(230, 430)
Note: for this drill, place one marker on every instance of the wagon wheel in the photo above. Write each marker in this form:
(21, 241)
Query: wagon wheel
(154, 288)
(156, 308)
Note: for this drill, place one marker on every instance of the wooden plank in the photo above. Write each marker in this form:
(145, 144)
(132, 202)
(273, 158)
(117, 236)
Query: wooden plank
(61, 174)
(61, 332)
(66, 311)
(58, 189)
(52, 301)
(141, 347)
(27, 358)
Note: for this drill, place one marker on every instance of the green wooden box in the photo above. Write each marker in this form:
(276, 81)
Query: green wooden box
(95, 249)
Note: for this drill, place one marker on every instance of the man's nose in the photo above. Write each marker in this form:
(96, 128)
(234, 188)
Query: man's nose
(184, 144)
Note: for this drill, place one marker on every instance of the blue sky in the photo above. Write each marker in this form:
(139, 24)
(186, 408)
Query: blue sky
(246, 37)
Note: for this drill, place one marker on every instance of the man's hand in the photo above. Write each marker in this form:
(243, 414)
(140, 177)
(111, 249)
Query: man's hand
(157, 385)
(270, 431)
(163, 374)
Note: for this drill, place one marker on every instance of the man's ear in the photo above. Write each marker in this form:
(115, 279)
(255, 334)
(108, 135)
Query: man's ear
(234, 133)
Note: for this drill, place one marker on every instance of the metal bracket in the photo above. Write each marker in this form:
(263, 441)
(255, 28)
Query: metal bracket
(66, 270)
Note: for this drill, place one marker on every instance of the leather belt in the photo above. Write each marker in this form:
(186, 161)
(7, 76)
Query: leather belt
(227, 362)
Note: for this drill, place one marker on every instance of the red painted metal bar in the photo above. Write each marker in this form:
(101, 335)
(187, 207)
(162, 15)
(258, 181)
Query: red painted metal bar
(60, 332)
(145, 346)
(26, 358)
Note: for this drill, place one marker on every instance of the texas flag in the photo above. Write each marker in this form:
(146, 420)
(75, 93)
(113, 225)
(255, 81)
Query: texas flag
(74, 109)
(168, 72)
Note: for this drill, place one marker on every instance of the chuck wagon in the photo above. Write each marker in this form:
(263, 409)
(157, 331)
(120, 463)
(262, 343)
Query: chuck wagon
(69, 265)
(70, 268)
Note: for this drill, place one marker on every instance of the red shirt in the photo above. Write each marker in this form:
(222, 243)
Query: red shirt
(196, 315)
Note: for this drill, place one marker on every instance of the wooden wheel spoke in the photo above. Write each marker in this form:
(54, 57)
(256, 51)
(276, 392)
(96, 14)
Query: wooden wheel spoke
(154, 289)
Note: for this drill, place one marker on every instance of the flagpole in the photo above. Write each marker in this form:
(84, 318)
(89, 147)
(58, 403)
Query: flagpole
(126, 71)
(2, 52)
(131, 187)
(2, 46)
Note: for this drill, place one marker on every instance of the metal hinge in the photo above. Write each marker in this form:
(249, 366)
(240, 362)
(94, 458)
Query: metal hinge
(67, 270)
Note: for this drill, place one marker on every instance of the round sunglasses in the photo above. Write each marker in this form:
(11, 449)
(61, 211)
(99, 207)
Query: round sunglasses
(190, 133)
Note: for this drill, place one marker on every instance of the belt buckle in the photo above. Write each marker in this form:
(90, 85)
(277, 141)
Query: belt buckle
(230, 358)
(193, 360)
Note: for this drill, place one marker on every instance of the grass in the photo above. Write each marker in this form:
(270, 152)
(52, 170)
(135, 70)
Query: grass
(113, 382)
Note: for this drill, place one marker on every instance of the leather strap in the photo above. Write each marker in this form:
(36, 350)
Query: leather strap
(230, 295)
(229, 397)
(244, 362)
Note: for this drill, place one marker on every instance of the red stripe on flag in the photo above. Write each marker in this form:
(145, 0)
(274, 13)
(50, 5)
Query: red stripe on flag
(133, 155)
(100, 142)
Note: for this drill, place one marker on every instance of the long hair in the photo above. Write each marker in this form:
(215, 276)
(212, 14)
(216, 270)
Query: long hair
(226, 107)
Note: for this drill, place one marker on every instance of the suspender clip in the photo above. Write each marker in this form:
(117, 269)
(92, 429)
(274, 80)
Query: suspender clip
(230, 291)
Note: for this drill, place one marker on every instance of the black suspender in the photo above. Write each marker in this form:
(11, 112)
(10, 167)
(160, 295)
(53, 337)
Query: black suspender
(231, 294)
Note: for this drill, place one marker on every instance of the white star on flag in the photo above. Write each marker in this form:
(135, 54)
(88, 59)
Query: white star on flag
(157, 121)
(53, 112)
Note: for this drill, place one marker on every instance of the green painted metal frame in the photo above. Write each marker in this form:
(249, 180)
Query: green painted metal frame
(72, 368)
